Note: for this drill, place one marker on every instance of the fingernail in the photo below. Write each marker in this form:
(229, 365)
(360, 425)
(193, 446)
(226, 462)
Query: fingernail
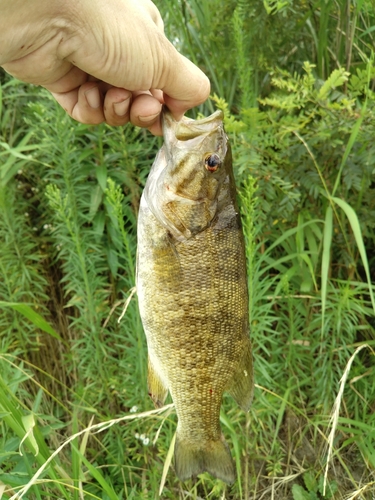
(93, 97)
(121, 108)
(148, 118)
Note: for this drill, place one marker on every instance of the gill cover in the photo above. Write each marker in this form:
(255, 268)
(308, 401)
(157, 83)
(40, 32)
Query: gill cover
(185, 180)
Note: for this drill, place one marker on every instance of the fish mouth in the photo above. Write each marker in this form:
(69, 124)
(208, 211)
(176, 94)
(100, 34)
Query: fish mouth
(187, 129)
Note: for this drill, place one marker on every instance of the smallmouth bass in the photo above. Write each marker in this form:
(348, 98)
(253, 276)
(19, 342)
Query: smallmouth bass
(192, 290)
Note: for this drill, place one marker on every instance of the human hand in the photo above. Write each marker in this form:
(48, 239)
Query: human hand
(102, 61)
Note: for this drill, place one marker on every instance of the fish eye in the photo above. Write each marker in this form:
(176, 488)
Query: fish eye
(212, 162)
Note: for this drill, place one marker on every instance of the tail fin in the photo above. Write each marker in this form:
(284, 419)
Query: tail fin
(213, 457)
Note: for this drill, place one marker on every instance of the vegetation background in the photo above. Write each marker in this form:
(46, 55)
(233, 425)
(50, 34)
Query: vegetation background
(296, 81)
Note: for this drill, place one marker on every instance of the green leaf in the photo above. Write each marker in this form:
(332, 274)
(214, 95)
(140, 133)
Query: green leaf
(14, 479)
(335, 79)
(96, 474)
(326, 257)
(9, 169)
(167, 464)
(354, 224)
(300, 493)
(101, 175)
(28, 422)
(349, 146)
(98, 225)
(273, 7)
(112, 261)
(96, 199)
(310, 481)
(331, 487)
(34, 317)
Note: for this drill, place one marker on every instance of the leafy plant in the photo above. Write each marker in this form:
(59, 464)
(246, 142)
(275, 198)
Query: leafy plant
(313, 488)
(296, 83)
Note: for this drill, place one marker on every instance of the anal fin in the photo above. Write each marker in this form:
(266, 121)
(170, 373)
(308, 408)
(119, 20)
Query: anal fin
(241, 387)
(156, 388)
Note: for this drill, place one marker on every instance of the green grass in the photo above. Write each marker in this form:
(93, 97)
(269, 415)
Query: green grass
(295, 80)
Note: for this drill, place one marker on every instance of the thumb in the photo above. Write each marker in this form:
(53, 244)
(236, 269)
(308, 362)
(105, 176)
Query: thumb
(184, 84)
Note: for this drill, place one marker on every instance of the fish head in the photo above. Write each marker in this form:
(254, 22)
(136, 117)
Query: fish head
(184, 185)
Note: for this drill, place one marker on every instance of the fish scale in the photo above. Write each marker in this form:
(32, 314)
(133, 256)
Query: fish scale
(192, 289)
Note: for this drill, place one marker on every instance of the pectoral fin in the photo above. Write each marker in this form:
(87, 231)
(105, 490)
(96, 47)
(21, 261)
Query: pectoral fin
(241, 387)
(156, 388)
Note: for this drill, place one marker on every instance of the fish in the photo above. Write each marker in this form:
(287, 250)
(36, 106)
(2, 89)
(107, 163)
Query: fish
(192, 290)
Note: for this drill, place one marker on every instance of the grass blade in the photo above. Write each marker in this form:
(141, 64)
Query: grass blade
(336, 411)
(355, 131)
(96, 474)
(34, 317)
(326, 257)
(354, 224)
(167, 463)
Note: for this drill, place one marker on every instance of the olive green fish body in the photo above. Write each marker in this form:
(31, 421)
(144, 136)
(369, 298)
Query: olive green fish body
(192, 288)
